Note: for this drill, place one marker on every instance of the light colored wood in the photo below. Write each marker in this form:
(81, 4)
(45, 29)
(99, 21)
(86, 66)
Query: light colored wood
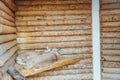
(51, 2)
(111, 35)
(111, 58)
(107, 64)
(10, 4)
(38, 13)
(4, 8)
(6, 16)
(54, 33)
(7, 55)
(51, 28)
(111, 29)
(111, 76)
(6, 29)
(110, 12)
(111, 6)
(5, 46)
(53, 39)
(52, 22)
(56, 7)
(27, 72)
(110, 40)
(111, 52)
(112, 24)
(57, 45)
(55, 17)
(109, 1)
(6, 22)
(6, 38)
(111, 70)
(111, 46)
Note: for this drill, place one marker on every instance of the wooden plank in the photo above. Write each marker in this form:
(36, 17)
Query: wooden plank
(55, 17)
(56, 7)
(111, 29)
(53, 39)
(5, 46)
(4, 8)
(111, 58)
(52, 22)
(57, 45)
(87, 50)
(109, 1)
(110, 40)
(6, 29)
(112, 24)
(111, 76)
(10, 4)
(107, 64)
(6, 16)
(6, 22)
(51, 2)
(51, 28)
(44, 13)
(6, 38)
(110, 12)
(111, 52)
(111, 70)
(111, 34)
(54, 33)
(111, 46)
(7, 55)
(110, 6)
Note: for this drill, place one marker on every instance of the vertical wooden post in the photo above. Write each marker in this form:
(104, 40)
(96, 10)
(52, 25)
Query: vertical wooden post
(96, 39)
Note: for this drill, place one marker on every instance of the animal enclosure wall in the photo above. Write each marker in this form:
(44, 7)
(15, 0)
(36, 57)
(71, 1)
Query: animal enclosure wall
(62, 24)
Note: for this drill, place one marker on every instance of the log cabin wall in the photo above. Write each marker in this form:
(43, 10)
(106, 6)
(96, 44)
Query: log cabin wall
(7, 34)
(110, 39)
(59, 24)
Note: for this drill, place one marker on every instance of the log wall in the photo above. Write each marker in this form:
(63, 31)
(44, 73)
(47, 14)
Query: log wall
(110, 39)
(7, 35)
(59, 24)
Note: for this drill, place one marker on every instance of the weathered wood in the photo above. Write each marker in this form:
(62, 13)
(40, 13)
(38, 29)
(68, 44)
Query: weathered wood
(51, 2)
(111, 6)
(51, 28)
(6, 29)
(6, 16)
(58, 45)
(110, 40)
(5, 46)
(111, 46)
(53, 39)
(7, 55)
(112, 24)
(111, 70)
(3, 7)
(109, 12)
(107, 64)
(44, 13)
(6, 38)
(6, 22)
(111, 29)
(52, 22)
(111, 58)
(111, 34)
(10, 4)
(56, 17)
(57, 7)
(54, 33)
(111, 76)
(111, 52)
(27, 72)
(109, 1)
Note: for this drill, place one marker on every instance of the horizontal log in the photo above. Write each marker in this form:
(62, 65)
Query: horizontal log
(111, 40)
(111, 46)
(110, 29)
(4, 8)
(53, 39)
(110, 6)
(5, 46)
(6, 29)
(110, 18)
(111, 58)
(52, 22)
(111, 76)
(66, 77)
(56, 7)
(87, 50)
(10, 4)
(57, 45)
(6, 38)
(9, 63)
(111, 52)
(51, 28)
(7, 55)
(6, 22)
(111, 34)
(51, 2)
(44, 13)
(55, 17)
(54, 33)
(111, 70)
(107, 64)
(112, 24)
(6, 16)
(110, 12)
(109, 1)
